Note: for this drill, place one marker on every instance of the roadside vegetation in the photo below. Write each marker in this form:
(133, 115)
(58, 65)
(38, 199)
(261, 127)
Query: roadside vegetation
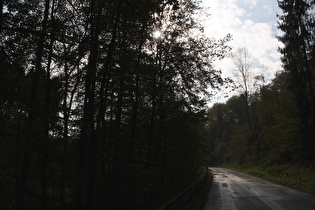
(198, 198)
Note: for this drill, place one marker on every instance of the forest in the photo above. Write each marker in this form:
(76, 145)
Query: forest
(103, 103)
(271, 124)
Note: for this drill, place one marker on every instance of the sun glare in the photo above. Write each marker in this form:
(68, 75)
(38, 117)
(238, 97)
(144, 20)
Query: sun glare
(157, 34)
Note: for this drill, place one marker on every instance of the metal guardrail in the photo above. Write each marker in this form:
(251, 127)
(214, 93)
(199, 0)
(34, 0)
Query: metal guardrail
(178, 200)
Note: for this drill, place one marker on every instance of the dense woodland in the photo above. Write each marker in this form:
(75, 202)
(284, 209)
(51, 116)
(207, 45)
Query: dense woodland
(102, 102)
(272, 123)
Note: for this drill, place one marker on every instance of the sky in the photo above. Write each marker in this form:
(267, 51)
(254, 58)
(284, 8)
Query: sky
(253, 25)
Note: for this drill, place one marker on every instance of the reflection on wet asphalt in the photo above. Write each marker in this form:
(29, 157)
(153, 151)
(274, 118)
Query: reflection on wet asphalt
(234, 190)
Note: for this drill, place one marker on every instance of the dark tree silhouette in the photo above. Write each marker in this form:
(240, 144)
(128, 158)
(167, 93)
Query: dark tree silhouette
(98, 113)
(297, 23)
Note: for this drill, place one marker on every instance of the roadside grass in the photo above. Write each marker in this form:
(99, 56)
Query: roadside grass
(198, 198)
(293, 176)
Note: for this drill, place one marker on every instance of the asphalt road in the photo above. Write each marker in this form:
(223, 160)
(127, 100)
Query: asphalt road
(234, 190)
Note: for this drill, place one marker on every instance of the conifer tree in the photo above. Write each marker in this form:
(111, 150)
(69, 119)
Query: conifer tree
(297, 23)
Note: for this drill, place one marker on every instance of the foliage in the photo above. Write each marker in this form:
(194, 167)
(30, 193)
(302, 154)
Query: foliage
(280, 128)
(96, 112)
(277, 137)
(199, 197)
(297, 23)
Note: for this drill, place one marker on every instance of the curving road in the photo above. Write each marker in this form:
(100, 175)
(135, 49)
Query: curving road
(234, 190)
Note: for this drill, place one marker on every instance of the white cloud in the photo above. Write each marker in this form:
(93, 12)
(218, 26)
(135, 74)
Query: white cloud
(251, 3)
(258, 37)
(224, 17)
(255, 32)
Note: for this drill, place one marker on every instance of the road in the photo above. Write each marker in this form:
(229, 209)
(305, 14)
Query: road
(234, 190)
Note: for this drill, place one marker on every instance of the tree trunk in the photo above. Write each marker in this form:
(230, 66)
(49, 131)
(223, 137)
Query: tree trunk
(64, 135)
(151, 130)
(137, 82)
(46, 120)
(105, 85)
(65, 146)
(20, 196)
(155, 85)
(66, 109)
(88, 143)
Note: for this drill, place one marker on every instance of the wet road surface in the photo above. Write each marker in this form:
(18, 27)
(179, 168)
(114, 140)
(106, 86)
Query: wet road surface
(237, 191)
